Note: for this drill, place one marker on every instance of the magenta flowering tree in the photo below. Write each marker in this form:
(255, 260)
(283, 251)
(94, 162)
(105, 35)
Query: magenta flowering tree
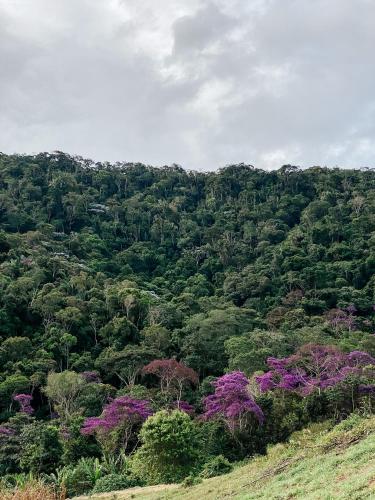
(119, 422)
(24, 400)
(313, 367)
(232, 401)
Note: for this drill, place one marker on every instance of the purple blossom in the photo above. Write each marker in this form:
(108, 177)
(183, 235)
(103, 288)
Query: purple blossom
(184, 406)
(277, 364)
(367, 389)
(266, 382)
(359, 358)
(91, 424)
(6, 431)
(290, 381)
(232, 401)
(121, 414)
(313, 367)
(24, 400)
(116, 412)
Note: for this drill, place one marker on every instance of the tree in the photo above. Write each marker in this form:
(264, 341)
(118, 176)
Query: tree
(173, 375)
(66, 342)
(15, 348)
(205, 334)
(169, 451)
(157, 337)
(117, 332)
(41, 449)
(118, 423)
(232, 402)
(11, 386)
(313, 367)
(126, 364)
(24, 400)
(10, 442)
(64, 389)
(248, 352)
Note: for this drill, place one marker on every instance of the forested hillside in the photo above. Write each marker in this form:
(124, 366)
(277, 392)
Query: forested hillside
(158, 323)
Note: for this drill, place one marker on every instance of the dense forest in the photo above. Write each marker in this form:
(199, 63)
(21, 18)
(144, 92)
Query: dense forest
(158, 324)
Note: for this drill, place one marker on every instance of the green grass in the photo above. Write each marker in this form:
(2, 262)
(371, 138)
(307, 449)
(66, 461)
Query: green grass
(317, 464)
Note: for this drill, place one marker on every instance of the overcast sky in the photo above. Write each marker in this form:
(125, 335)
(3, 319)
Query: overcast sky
(201, 83)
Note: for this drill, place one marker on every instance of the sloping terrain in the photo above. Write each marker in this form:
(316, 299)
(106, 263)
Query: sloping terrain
(315, 464)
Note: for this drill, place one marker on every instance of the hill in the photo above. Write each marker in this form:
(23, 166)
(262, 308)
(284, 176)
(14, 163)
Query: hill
(315, 464)
(158, 324)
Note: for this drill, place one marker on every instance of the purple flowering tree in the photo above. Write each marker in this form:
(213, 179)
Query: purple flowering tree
(232, 402)
(24, 401)
(119, 422)
(183, 406)
(313, 367)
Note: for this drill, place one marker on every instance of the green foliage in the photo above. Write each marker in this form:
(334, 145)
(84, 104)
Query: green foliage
(205, 335)
(112, 482)
(248, 352)
(12, 384)
(299, 469)
(108, 268)
(81, 478)
(191, 481)
(40, 448)
(169, 451)
(74, 444)
(216, 466)
(10, 444)
(63, 389)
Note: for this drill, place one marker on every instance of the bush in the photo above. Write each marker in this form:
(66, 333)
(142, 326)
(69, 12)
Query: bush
(170, 449)
(81, 479)
(191, 481)
(216, 466)
(112, 482)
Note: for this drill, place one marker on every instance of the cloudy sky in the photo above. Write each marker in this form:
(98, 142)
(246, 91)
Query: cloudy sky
(201, 83)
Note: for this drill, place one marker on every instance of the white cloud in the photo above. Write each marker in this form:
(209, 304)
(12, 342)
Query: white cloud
(198, 82)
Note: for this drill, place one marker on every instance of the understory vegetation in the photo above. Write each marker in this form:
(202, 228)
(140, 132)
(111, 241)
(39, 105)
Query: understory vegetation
(159, 326)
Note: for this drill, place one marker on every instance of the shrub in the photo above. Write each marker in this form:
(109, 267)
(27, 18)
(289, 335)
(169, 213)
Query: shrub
(191, 481)
(170, 449)
(112, 482)
(81, 479)
(216, 466)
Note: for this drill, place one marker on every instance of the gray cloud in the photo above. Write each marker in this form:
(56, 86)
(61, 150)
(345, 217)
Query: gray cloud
(197, 82)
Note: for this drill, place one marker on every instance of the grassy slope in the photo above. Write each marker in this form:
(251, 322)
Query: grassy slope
(316, 464)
